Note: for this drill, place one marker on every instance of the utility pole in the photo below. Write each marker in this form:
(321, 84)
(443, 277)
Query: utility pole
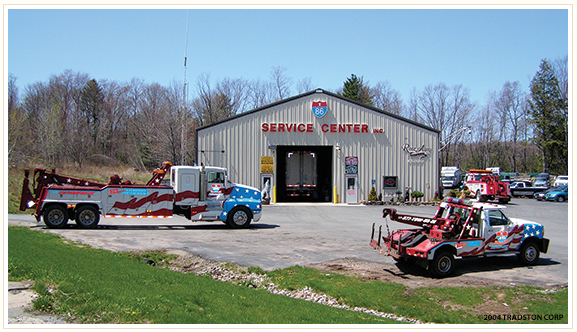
(183, 111)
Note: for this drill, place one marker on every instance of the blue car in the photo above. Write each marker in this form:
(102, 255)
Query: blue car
(560, 194)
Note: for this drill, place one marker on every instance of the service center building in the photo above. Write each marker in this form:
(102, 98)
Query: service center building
(322, 147)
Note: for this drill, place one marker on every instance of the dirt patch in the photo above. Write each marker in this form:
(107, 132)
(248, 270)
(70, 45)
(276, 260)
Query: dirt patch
(409, 275)
(20, 298)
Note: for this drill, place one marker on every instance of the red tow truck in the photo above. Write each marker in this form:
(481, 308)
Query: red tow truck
(486, 186)
(460, 228)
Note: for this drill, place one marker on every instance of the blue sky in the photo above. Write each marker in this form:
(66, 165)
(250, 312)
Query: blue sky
(410, 48)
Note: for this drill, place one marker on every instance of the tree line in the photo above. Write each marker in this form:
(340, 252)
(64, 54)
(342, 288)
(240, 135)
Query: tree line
(74, 118)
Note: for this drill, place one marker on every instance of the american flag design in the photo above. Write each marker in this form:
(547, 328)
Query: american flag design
(243, 195)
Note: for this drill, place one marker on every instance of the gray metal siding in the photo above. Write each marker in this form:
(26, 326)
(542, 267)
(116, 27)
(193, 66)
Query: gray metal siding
(244, 143)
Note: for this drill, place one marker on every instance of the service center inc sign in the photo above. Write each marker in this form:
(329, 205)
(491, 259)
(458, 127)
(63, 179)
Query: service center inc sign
(319, 110)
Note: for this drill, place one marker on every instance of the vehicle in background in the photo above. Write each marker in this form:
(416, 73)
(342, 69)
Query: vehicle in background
(561, 180)
(524, 188)
(495, 170)
(301, 173)
(542, 180)
(484, 186)
(560, 194)
(451, 177)
(541, 195)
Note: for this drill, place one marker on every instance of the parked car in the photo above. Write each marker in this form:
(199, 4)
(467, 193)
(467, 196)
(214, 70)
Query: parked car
(561, 180)
(524, 189)
(560, 194)
(541, 195)
(542, 180)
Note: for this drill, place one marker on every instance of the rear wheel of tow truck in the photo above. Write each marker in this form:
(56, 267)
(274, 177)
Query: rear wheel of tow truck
(55, 216)
(529, 254)
(87, 217)
(239, 217)
(442, 265)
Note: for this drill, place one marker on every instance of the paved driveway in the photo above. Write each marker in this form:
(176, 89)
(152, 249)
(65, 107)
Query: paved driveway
(303, 234)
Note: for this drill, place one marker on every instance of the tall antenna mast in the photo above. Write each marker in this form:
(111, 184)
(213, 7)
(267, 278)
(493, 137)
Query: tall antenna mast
(183, 112)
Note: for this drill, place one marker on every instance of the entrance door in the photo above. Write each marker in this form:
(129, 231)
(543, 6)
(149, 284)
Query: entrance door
(296, 166)
(352, 188)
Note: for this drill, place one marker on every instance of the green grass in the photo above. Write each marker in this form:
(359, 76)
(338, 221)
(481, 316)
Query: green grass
(98, 286)
(452, 305)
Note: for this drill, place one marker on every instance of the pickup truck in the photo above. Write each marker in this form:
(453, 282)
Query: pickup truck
(524, 188)
(460, 228)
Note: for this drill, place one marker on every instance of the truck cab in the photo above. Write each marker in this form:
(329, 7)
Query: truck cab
(206, 194)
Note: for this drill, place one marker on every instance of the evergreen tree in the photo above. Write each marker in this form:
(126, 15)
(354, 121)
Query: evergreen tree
(355, 89)
(91, 110)
(548, 109)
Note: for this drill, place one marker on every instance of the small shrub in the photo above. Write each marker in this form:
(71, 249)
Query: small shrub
(454, 193)
(372, 195)
(417, 194)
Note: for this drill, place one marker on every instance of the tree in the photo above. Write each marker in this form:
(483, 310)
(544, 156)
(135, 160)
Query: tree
(548, 108)
(510, 105)
(447, 110)
(355, 89)
(280, 83)
(17, 138)
(387, 98)
(92, 108)
(304, 85)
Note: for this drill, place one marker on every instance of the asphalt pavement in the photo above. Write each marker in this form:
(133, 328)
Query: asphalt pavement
(304, 234)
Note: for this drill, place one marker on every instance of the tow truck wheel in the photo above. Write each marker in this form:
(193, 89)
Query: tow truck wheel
(529, 254)
(87, 217)
(55, 216)
(442, 265)
(239, 217)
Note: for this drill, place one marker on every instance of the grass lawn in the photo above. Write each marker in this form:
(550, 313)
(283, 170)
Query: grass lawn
(99, 286)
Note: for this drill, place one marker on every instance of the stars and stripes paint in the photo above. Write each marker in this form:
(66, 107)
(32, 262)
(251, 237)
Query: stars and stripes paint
(244, 196)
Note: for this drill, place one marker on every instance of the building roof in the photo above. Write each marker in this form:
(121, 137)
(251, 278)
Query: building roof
(334, 95)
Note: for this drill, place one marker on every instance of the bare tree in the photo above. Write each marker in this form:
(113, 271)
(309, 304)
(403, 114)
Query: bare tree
(260, 94)
(304, 85)
(387, 98)
(511, 107)
(17, 138)
(280, 82)
(236, 90)
(484, 136)
(445, 109)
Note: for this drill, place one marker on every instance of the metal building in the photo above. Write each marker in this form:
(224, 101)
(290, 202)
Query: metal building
(322, 147)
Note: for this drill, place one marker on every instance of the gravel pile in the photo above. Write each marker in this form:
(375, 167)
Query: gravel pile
(253, 280)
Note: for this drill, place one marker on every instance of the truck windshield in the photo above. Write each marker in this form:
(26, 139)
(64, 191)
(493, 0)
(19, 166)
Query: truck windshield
(215, 177)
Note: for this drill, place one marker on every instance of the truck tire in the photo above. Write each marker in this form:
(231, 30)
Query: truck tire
(239, 217)
(55, 216)
(87, 217)
(529, 254)
(442, 265)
